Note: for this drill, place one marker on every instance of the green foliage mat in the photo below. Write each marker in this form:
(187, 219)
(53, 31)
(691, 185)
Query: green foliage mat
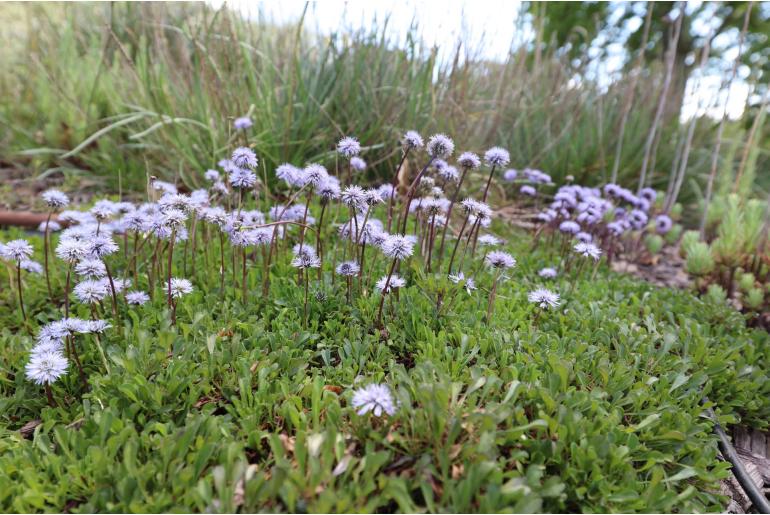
(593, 407)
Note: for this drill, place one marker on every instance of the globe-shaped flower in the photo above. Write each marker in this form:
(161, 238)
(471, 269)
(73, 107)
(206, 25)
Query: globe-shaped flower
(244, 157)
(398, 247)
(348, 147)
(242, 123)
(497, 156)
(469, 160)
(500, 260)
(17, 250)
(55, 199)
(348, 268)
(137, 298)
(46, 367)
(412, 139)
(440, 146)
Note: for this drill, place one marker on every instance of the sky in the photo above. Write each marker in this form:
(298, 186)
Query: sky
(486, 25)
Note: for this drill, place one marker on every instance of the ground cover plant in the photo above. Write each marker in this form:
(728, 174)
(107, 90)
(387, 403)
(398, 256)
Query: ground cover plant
(335, 345)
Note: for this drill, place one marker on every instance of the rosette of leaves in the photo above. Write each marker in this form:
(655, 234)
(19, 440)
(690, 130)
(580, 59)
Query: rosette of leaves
(700, 261)
(653, 243)
(754, 298)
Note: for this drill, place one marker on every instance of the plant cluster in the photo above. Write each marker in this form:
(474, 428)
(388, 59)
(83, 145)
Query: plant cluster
(330, 346)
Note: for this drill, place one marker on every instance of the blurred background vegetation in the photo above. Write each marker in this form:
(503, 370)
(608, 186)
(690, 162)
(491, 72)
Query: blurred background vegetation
(104, 95)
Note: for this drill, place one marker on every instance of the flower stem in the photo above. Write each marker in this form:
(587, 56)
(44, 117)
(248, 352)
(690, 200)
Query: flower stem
(46, 235)
(18, 284)
(384, 292)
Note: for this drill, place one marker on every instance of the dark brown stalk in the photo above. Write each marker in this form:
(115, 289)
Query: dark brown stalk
(457, 243)
(449, 216)
(384, 292)
(18, 284)
(170, 262)
(46, 236)
(395, 185)
(112, 291)
(489, 181)
(411, 192)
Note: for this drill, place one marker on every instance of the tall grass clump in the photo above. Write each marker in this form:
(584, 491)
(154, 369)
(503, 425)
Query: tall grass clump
(125, 91)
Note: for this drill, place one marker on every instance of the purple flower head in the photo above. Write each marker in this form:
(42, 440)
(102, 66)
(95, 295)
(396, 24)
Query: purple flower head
(71, 250)
(242, 178)
(584, 237)
(211, 175)
(374, 398)
(328, 189)
(46, 367)
(469, 161)
(497, 156)
(90, 291)
(387, 191)
(440, 146)
(242, 123)
(55, 199)
(663, 224)
(648, 194)
(314, 174)
(349, 147)
(395, 283)
(137, 298)
(101, 246)
(91, 268)
(638, 219)
(547, 273)
(642, 204)
(500, 260)
(348, 268)
(588, 250)
(180, 287)
(30, 266)
(510, 175)
(449, 174)
(244, 157)
(353, 196)
(544, 298)
(53, 226)
(528, 190)
(17, 250)
(357, 164)
(398, 246)
(290, 174)
(412, 139)
(569, 227)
